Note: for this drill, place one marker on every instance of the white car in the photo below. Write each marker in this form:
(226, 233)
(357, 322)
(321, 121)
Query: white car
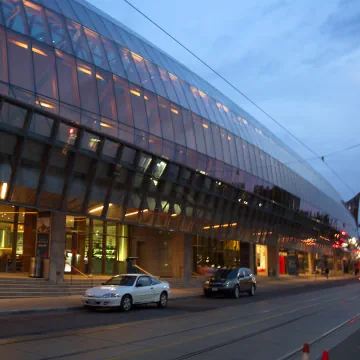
(127, 290)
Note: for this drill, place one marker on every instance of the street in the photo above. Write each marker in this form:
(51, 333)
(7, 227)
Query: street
(271, 325)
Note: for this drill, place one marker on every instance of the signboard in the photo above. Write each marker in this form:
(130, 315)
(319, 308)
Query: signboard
(292, 265)
(43, 234)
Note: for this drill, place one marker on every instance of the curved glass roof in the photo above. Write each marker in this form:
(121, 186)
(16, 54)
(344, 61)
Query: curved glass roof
(109, 45)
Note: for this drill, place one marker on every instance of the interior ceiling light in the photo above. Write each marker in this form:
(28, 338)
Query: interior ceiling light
(84, 70)
(134, 92)
(38, 51)
(3, 191)
(19, 43)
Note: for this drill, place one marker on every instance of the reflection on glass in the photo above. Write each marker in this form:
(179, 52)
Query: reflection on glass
(96, 49)
(80, 45)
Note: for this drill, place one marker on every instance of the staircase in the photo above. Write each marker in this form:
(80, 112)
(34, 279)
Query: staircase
(25, 287)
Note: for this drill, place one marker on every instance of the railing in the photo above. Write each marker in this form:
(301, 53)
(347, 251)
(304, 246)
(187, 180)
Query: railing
(82, 274)
(144, 271)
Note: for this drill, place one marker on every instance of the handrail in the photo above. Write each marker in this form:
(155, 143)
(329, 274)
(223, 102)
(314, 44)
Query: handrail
(144, 271)
(81, 273)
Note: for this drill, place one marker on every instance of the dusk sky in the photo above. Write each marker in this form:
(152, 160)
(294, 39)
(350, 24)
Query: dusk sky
(299, 60)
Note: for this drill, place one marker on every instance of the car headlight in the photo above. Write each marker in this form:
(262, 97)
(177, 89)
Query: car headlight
(207, 282)
(228, 284)
(110, 295)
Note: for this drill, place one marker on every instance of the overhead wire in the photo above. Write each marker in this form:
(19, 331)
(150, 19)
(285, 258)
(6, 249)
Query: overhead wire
(241, 93)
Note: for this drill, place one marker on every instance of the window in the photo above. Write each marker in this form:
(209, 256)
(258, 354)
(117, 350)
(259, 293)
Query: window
(67, 76)
(106, 94)
(45, 71)
(21, 68)
(208, 138)
(36, 20)
(3, 58)
(179, 91)
(199, 102)
(168, 85)
(129, 66)
(189, 97)
(233, 151)
(123, 102)
(199, 134)
(143, 281)
(87, 86)
(152, 113)
(80, 45)
(14, 15)
(113, 57)
(51, 4)
(165, 117)
(67, 9)
(138, 106)
(155, 281)
(96, 49)
(59, 35)
(189, 129)
(155, 78)
(143, 72)
(99, 24)
(122, 281)
(217, 142)
(178, 125)
(82, 15)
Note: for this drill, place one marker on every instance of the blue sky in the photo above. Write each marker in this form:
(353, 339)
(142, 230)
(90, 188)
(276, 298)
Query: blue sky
(299, 60)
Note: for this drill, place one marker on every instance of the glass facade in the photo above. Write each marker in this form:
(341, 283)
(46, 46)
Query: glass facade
(139, 138)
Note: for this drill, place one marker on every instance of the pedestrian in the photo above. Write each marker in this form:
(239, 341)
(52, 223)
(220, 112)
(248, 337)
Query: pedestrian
(327, 272)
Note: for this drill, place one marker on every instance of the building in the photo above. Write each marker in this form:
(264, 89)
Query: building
(111, 148)
(353, 206)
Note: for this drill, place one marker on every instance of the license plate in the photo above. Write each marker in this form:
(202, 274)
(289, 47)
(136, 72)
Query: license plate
(213, 289)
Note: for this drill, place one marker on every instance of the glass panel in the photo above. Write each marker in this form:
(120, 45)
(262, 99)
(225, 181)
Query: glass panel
(77, 186)
(99, 24)
(208, 106)
(67, 9)
(96, 49)
(208, 138)
(226, 148)
(51, 4)
(252, 159)
(126, 37)
(152, 112)
(168, 85)
(240, 153)
(3, 58)
(45, 71)
(189, 129)
(142, 71)
(106, 94)
(82, 15)
(67, 76)
(199, 102)
(165, 117)
(14, 15)
(199, 134)
(41, 125)
(155, 144)
(190, 99)
(90, 142)
(179, 131)
(80, 45)
(155, 78)
(114, 29)
(123, 102)
(59, 35)
(36, 21)
(113, 57)
(138, 106)
(233, 151)
(116, 210)
(29, 173)
(20, 61)
(179, 91)
(217, 142)
(129, 66)
(12, 115)
(54, 182)
(87, 86)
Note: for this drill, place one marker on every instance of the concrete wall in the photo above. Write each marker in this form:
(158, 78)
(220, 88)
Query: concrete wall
(273, 260)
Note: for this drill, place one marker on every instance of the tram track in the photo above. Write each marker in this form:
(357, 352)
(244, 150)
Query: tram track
(192, 339)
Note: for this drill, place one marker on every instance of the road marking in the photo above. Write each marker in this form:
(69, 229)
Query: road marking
(214, 333)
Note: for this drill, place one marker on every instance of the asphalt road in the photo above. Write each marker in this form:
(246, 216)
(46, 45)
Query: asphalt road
(40, 324)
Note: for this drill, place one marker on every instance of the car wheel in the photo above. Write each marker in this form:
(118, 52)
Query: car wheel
(163, 300)
(126, 303)
(207, 293)
(236, 293)
(252, 290)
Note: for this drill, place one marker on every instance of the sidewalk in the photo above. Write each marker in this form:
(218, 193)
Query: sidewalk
(68, 303)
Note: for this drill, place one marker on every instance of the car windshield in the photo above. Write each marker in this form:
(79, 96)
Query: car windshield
(225, 274)
(121, 281)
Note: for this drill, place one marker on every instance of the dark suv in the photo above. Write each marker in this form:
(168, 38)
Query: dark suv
(231, 282)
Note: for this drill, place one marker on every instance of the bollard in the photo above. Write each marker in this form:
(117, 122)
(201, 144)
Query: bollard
(306, 352)
(325, 355)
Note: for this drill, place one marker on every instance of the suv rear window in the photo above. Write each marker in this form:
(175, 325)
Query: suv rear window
(226, 274)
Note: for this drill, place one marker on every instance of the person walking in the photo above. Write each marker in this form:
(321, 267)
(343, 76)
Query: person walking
(327, 272)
